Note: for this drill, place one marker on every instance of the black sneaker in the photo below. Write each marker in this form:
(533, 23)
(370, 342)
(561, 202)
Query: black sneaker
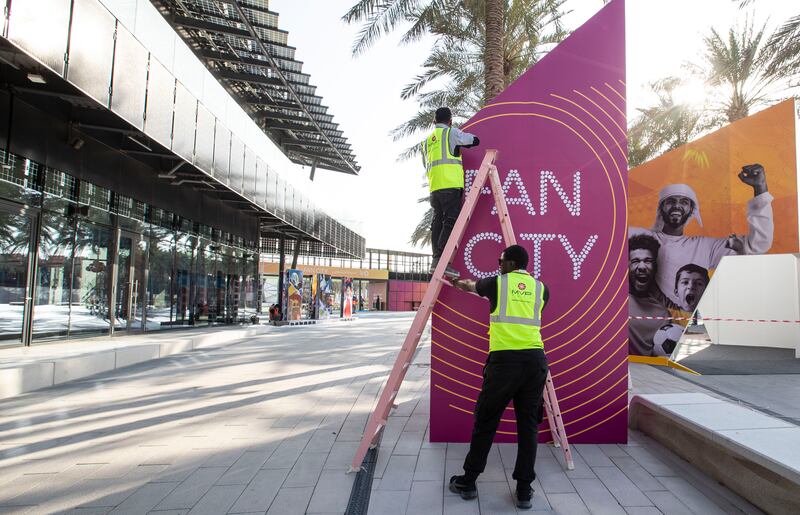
(466, 489)
(524, 496)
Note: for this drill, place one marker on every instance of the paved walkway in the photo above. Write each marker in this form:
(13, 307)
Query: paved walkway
(270, 424)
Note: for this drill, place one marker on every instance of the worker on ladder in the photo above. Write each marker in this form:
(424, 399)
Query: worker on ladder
(441, 154)
(516, 369)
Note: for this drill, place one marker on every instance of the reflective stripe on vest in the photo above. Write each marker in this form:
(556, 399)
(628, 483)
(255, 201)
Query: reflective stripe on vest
(444, 169)
(515, 323)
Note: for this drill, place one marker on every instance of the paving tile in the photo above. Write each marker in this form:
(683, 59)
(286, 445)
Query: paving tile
(192, 490)
(321, 441)
(668, 503)
(494, 470)
(291, 501)
(642, 510)
(597, 497)
(626, 493)
(399, 473)
(409, 443)
(457, 451)
(430, 465)
(224, 458)
(453, 503)
(593, 455)
(637, 474)
(612, 450)
(306, 470)
(690, 496)
(244, 469)
(260, 492)
(495, 498)
(288, 451)
(144, 499)
(426, 498)
(649, 462)
(388, 503)
(341, 456)
(332, 492)
(217, 500)
(552, 476)
(568, 504)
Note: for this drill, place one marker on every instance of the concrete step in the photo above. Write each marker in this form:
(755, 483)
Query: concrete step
(753, 454)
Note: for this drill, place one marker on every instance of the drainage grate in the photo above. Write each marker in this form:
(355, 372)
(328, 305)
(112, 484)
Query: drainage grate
(362, 487)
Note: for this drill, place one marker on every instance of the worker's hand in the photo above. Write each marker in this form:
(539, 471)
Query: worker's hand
(754, 175)
(735, 243)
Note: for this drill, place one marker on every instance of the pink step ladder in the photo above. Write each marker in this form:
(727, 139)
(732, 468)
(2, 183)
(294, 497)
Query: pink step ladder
(380, 415)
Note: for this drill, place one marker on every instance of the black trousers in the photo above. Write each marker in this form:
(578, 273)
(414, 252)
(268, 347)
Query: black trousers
(446, 205)
(509, 375)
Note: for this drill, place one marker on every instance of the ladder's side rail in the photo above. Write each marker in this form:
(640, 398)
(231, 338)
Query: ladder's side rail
(380, 414)
(502, 209)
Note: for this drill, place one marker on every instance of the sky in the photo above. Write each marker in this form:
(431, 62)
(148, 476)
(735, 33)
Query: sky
(363, 94)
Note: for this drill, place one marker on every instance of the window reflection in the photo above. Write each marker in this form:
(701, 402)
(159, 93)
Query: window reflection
(51, 313)
(91, 278)
(13, 274)
(159, 291)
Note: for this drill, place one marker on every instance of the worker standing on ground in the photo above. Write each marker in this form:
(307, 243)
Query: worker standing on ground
(441, 154)
(516, 369)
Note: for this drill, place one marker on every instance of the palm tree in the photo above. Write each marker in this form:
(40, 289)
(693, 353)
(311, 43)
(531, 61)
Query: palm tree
(784, 45)
(667, 124)
(741, 67)
(493, 56)
(740, 73)
(481, 46)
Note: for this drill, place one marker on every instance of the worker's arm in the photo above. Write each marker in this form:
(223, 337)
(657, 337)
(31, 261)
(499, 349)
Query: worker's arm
(460, 139)
(467, 285)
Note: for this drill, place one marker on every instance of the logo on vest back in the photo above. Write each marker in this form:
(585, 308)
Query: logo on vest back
(520, 291)
(433, 138)
(521, 286)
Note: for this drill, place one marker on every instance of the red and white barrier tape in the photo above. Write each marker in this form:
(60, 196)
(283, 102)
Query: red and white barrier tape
(711, 319)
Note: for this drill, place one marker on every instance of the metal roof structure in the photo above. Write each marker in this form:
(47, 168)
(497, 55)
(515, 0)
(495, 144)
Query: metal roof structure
(241, 44)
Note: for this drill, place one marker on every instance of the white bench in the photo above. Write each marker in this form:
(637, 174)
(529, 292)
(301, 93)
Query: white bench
(753, 454)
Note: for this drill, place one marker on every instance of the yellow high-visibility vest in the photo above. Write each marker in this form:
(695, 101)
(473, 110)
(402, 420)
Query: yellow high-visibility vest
(516, 322)
(444, 169)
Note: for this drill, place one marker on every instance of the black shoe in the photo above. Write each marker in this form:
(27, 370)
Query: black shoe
(524, 496)
(466, 489)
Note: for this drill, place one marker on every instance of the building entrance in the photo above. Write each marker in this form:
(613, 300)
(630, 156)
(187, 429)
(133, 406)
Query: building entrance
(129, 304)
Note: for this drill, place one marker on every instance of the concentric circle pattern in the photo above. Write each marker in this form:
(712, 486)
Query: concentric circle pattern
(560, 129)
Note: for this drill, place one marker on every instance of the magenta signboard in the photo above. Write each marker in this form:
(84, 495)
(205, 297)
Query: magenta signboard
(560, 132)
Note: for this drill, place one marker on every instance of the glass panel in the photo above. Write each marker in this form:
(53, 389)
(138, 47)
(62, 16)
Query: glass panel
(185, 123)
(249, 188)
(222, 152)
(204, 145)
(91, 276)
(237, 165)
(91, 49)
(124, 286)
(54, 277)
(159, 287)
(130, 80)
(183, 273)
(160, 97)
(138, 294)
(14, 248)
(203, 281)
(31, 19)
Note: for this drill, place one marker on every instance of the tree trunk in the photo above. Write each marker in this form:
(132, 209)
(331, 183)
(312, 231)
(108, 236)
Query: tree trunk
(494, 79)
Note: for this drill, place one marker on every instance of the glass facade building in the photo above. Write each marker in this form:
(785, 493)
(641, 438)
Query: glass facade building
(135, 184)
(77, 259)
